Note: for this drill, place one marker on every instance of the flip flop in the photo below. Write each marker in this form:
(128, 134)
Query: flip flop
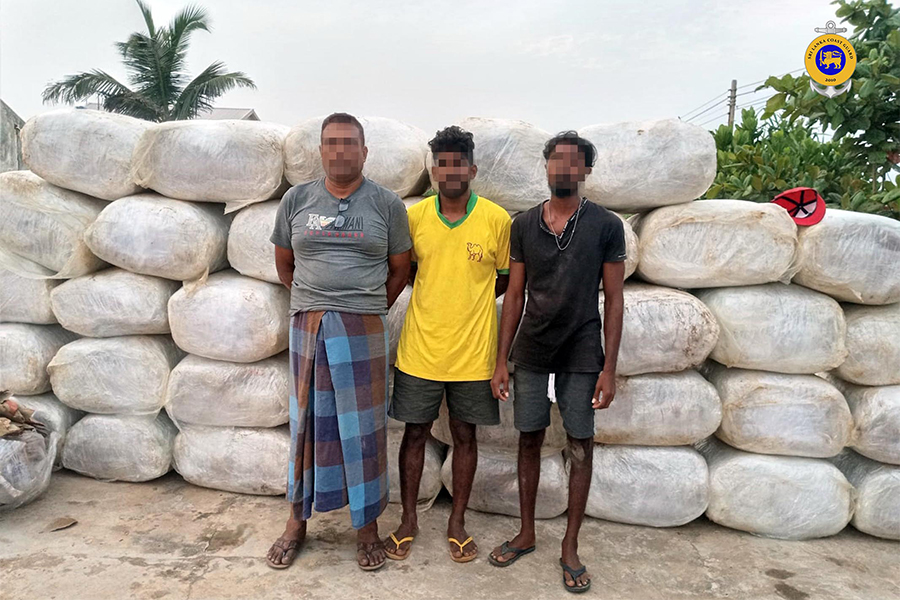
(285, 546)
(506, 549)
(397, 543)
(463, 558)
(574, 574)
(367, 549)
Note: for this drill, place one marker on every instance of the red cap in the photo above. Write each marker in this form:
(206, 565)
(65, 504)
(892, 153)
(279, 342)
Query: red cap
(804, 204)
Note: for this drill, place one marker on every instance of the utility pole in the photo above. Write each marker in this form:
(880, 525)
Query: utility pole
(731, 102)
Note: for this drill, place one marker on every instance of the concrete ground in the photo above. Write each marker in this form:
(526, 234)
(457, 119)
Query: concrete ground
(169, 539)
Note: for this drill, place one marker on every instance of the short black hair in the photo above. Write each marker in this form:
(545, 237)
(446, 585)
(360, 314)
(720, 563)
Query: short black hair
(572, 138)
(454, 139)
(340, 117)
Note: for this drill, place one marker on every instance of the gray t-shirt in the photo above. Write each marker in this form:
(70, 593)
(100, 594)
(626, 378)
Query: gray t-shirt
(344, 269)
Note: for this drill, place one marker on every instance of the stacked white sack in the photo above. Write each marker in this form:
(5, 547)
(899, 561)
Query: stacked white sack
(58, 417)
(784, 497)
(510, 160)
(873, 345)
(26, 300)
(230, 161)
(854, 257)
(153, 235)
(776, 413)
(777, 327)
(396, 158)
(250, 252)
(114, 302)
(658, 487)
(230, 317)
(496, 485)
(120, 447)
(246, 460)
(42, 226)
(876, 419)
(644, 165)
(86, 151)
(717, 243)
(25, 352)
(878, 494)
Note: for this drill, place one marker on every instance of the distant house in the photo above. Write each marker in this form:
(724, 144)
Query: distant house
(10, 144)
(216, 114)
(243, 114)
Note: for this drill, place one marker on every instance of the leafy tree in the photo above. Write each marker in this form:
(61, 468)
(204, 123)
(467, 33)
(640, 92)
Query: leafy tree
(155, 62)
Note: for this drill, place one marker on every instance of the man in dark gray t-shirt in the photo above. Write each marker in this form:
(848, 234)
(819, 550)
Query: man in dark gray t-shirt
(342, 247)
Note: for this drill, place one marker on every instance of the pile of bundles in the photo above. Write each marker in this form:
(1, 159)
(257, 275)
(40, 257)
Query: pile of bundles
(141, 315)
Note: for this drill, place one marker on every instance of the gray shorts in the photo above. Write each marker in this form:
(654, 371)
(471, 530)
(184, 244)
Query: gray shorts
(418, 400)
(574, 395)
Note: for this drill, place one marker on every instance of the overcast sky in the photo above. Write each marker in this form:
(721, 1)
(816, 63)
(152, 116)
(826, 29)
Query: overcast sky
(557, 64)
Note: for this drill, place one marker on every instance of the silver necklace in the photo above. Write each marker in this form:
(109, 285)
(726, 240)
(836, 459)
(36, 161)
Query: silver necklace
(563, 232)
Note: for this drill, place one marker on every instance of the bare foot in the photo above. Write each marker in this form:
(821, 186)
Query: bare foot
(284, 550)
(521, 541)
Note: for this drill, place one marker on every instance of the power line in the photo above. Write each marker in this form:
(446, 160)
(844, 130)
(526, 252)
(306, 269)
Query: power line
(703, 105)
(723, 115)
(721, 102)
(764, 80)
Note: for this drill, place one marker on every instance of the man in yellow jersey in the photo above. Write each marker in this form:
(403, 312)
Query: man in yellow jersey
(449, 341)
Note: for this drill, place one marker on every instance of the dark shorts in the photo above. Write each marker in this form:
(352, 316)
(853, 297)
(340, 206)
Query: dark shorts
(574, 395)
(418, 400)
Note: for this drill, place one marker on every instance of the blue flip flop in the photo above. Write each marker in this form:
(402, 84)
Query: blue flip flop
(574, 574)
(505, 549)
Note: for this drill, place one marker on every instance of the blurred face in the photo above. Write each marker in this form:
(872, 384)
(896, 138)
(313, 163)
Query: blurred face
(343, 154)
(452, 172)
(566, 169)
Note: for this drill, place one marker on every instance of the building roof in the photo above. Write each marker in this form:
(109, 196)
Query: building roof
(246, 114)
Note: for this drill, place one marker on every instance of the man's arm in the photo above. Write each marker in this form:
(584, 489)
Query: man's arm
(501, 285)
(284, 264)
(513, 303)
(398, 275)
(613, 309)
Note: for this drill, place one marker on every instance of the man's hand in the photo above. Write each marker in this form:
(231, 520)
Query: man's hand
(605, 391)
(500, 382)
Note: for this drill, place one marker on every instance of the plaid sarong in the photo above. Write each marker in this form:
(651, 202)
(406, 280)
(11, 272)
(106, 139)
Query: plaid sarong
(338, 408)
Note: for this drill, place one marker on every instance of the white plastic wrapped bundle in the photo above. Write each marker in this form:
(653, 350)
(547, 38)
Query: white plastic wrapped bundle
(245, 460)
(120, 448)
(114, 302)
(663, 330)
(505, 434)
(88, 151)
(396, 158)
(412, 201)
(496, 485)
(25, 300)
(876, 418)
(873, 343)
(784, 497)
(878, 494)
(717, 243)
(121, 375)
(58, 417)
(231, 161)
(26, 462)
(25, 352)
(643, 165)
(632, 249)
(430, 485)
(250, 252)
(41, 228)
(660, 409)
(774, 413)
(510, 159)
(852, 256)
(659, 487)
(231, 317)
(395, 319)
(153, 235)
(776, 327)
(202, 391)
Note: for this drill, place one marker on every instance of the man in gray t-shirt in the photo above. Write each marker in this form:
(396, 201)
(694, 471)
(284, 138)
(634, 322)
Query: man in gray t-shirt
(342, 247)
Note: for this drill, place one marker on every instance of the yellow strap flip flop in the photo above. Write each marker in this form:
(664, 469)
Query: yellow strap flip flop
(463, 558)
(397, 543)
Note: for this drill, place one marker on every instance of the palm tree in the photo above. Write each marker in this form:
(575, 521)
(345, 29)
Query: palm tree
(155, 62)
